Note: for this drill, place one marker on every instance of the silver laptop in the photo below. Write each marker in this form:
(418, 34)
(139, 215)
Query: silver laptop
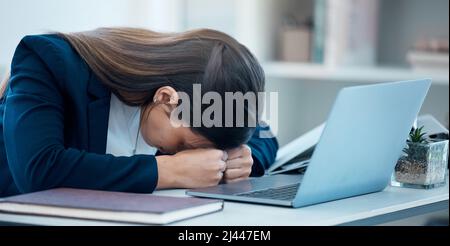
(356, 154)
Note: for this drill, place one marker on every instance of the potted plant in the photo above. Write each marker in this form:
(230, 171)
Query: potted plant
(423, 163)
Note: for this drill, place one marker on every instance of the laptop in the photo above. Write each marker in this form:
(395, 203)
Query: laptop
(356, 154)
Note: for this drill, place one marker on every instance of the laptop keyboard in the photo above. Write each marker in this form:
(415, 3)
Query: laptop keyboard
(286, 193)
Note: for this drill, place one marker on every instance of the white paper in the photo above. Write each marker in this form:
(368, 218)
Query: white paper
(296, 147)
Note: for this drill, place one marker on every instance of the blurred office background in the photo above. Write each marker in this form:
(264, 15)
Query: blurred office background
(309, 48)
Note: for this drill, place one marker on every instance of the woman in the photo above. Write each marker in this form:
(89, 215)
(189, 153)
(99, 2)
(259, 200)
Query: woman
(92, 109)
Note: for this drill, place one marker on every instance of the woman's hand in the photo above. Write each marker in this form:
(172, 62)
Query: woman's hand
(191, 168)
(239, 164)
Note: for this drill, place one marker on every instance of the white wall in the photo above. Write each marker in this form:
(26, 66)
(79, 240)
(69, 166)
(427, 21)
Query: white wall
(22, 17)
(215, 14)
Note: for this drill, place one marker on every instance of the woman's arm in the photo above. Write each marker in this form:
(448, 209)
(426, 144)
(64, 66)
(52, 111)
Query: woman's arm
(191, 168)
(34, 139)
(252, 158)
(264, 151)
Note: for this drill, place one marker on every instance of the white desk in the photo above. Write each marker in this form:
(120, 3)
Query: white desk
(389, 205)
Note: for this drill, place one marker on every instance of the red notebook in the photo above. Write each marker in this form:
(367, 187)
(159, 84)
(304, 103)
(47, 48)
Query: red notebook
(109, 206)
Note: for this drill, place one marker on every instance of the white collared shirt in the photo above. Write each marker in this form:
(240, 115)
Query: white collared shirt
(124, 137)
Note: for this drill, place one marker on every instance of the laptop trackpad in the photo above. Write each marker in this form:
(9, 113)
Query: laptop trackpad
(251, 184)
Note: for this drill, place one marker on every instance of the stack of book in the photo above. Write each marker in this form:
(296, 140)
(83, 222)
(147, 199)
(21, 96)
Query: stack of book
(108, 206)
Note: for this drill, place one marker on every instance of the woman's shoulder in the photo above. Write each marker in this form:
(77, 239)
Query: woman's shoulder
(40, 41)
(50, 54)
(47, 45)
(54, 51)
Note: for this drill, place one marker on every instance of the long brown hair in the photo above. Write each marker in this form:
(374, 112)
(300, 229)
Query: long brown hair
(135, 62)
(132, 60)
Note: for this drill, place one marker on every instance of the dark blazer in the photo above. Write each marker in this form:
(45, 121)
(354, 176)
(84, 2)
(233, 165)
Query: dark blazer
(54, 123)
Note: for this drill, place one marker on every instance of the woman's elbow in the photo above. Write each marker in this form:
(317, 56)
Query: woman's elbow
(275, 147)
(34, 174)
(28, 186)
(28, 181)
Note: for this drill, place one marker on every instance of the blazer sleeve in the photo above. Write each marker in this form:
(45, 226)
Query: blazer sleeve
(264, 150)
(34, 139)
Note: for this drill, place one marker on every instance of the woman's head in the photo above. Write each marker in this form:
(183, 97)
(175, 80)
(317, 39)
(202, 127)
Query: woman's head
(150, 70)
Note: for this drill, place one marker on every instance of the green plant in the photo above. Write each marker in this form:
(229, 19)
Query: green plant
(417, 136)
(416, 144)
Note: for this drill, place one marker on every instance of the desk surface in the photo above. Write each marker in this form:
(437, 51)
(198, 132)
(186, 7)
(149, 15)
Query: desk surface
(391, 204)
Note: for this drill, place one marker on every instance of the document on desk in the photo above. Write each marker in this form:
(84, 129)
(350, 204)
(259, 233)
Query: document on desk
(296, 154)
(109, 206)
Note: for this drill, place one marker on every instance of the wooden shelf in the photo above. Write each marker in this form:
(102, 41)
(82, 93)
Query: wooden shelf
(317, 72)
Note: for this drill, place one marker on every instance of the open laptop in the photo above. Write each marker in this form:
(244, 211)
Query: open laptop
(356, 154)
